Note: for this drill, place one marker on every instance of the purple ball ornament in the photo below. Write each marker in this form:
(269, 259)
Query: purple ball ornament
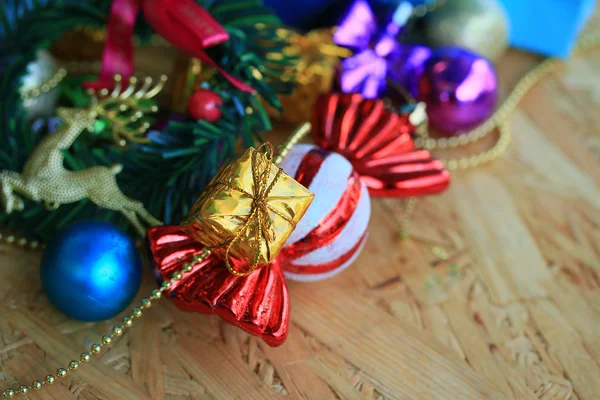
(459, 87)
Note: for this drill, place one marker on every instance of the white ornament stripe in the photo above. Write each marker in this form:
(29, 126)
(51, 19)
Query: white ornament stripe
(325, 275)
(333, 175)
(329, 184)
(348, 238)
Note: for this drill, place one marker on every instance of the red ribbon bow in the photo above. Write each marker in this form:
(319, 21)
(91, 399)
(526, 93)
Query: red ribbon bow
(185, 24)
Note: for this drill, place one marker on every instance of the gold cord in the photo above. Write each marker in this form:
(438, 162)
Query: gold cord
(259, 216)
(300, 132)
(409, 207)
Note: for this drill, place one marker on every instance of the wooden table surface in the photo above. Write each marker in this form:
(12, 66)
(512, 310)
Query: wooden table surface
(513, 313)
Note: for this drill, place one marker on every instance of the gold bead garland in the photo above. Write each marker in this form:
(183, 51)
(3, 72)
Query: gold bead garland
(21, 242)
(296, 136)
(498, 121)
(30, 94)
(473, 160)
(409, 207)
(107, 340)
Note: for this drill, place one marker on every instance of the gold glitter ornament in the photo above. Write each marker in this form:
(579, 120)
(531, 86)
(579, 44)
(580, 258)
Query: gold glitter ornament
(44, 177)
(478, 25)
(314, 74)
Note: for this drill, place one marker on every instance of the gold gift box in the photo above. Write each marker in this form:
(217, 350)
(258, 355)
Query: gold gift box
(220, 218)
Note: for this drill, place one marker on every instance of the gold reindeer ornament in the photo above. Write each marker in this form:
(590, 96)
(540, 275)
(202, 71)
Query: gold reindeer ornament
(44, 177)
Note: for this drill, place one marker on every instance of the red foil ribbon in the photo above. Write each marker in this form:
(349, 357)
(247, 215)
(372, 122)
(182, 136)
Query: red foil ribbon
(185, 24)
(257, 303)
(379, 144)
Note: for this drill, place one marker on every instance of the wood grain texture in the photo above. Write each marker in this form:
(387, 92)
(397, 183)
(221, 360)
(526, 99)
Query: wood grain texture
(512, 312)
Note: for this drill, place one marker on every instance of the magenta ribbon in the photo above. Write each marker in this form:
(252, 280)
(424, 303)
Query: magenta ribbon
(185, 24)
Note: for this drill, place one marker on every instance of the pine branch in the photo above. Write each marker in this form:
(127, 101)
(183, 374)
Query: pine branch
(168, 173)
(28, 25)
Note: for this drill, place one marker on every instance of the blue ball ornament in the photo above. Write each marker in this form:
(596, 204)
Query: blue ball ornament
(91, 270)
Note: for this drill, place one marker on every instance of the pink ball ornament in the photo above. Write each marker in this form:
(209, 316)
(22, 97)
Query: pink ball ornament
(460, 89)
(332, 233)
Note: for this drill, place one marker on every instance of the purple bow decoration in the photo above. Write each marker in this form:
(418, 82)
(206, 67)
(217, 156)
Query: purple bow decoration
(378, 55)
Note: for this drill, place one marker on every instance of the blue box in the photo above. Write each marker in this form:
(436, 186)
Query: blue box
(548, 27)
(304, 14)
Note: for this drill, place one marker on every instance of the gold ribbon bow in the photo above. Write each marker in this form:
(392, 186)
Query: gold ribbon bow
(259, 209)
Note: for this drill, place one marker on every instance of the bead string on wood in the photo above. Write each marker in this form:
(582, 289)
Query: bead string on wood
(20, 241)
(107, 339)
(300, 132)
(498, 121)
(136, 312)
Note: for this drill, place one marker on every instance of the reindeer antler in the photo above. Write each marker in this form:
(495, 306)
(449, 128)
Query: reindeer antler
(125, 107)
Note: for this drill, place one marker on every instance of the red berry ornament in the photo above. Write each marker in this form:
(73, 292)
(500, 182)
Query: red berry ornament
(204, 105)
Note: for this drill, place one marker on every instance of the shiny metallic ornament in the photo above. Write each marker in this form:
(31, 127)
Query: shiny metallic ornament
(318, 59)
(38, 88)
(257, 303)
(204, 105)
(91, 271)
(406, 66)
(379, 143)
(460, 89)
(248, 210)
(477, 25)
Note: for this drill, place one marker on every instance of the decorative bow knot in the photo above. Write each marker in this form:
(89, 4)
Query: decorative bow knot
(184, 23)
(259, 218)
(375, 46)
